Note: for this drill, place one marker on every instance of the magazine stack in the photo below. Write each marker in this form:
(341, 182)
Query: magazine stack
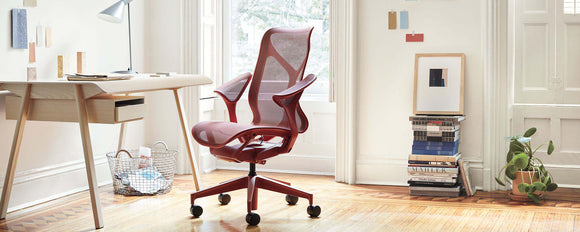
(434, 162)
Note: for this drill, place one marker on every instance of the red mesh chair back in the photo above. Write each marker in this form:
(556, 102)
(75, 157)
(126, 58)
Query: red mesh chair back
(275, 91)
(281, 63)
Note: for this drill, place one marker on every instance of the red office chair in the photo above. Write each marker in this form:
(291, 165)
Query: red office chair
(274, 94)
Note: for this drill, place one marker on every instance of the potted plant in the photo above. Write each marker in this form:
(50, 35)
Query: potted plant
(526, 173)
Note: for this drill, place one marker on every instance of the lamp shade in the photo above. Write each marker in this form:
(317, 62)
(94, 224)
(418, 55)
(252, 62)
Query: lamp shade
(114, 13)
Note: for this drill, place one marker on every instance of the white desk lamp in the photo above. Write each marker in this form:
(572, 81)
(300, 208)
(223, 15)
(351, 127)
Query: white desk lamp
(115, 14)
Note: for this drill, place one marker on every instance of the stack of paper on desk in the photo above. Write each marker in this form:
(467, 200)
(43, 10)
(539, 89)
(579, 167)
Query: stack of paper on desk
(98, 77)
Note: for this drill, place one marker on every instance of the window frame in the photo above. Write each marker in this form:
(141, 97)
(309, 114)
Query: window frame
(575, 6)
(227, 59)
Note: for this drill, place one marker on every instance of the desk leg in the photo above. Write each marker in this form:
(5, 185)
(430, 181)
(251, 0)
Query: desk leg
(89, 159)
(187, 138)
(122, 135)
(9, 178)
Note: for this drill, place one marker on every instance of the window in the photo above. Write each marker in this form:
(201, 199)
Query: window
(572, 7)
(249, 19)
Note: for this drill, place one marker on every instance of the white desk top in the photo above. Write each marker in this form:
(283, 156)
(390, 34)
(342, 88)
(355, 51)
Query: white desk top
(65, 89)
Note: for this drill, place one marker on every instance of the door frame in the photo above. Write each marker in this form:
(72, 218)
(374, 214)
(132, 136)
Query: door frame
(496, 84)
(343, 72)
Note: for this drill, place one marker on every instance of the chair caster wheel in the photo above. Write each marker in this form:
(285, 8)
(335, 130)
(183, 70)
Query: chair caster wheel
(196, 211)
(313, 210)
(252, 219)
(224, 198)
(292, 200)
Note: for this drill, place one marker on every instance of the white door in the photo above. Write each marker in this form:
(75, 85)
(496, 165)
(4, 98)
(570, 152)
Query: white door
(567, 52)
(534, 51)
(546, 85)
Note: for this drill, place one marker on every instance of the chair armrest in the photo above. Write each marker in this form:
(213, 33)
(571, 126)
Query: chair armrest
(295, 89)
(288, 99)
(232, 91)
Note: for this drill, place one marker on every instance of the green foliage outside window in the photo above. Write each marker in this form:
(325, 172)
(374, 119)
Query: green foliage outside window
(251, 18)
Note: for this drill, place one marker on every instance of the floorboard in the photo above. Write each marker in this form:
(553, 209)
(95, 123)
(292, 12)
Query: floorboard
(344, 208)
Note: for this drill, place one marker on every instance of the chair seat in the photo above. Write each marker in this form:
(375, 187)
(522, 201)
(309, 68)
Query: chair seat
(217, 134)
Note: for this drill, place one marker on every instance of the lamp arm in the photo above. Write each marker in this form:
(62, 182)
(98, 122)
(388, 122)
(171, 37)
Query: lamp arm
(129, 22)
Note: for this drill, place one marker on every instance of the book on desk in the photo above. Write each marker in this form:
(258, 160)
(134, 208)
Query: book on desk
(98, 77)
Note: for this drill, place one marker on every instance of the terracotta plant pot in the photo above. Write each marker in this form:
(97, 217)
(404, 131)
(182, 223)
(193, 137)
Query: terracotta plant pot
(523, 177)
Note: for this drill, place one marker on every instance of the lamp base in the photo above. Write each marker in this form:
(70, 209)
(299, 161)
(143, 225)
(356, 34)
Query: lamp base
(128, 71)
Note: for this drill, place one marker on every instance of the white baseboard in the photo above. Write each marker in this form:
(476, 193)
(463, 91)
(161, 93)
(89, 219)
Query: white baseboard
(565, 175)
(278, 171)
(55, 196)
(45, 172)
(381, 171)
(476, 173)
(374, 171)
(394, 171)
(208, 162)
(32, 187)
(289, 163)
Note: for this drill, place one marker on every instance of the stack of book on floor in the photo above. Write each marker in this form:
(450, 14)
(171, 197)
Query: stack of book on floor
(433, 163)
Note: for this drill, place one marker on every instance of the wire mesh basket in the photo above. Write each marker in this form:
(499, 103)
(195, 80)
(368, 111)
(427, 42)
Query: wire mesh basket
(136, 175)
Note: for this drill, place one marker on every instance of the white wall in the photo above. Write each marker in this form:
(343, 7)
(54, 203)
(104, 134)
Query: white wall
(385, 86)
(385, 78)
(164, 47)
(50, 162)
(163, 44)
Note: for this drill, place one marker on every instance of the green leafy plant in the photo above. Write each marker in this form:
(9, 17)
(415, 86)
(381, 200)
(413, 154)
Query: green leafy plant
(520, 157)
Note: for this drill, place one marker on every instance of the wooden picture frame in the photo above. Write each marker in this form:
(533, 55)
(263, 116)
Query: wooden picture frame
(466, 180)
(439, 84)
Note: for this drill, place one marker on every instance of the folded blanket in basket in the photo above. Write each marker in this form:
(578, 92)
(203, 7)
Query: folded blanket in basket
(145, 180)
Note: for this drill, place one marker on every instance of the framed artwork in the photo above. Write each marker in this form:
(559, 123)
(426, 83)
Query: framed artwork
(439, 84)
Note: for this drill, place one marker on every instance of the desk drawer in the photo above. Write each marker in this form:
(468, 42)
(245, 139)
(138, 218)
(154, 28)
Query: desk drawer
(106, 109)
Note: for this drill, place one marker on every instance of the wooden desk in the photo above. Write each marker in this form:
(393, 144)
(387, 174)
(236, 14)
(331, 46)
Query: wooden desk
(89, 101)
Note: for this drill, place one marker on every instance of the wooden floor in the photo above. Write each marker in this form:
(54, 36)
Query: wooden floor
(344, 208)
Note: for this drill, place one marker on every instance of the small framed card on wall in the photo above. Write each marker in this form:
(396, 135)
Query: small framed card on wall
(439, 84)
